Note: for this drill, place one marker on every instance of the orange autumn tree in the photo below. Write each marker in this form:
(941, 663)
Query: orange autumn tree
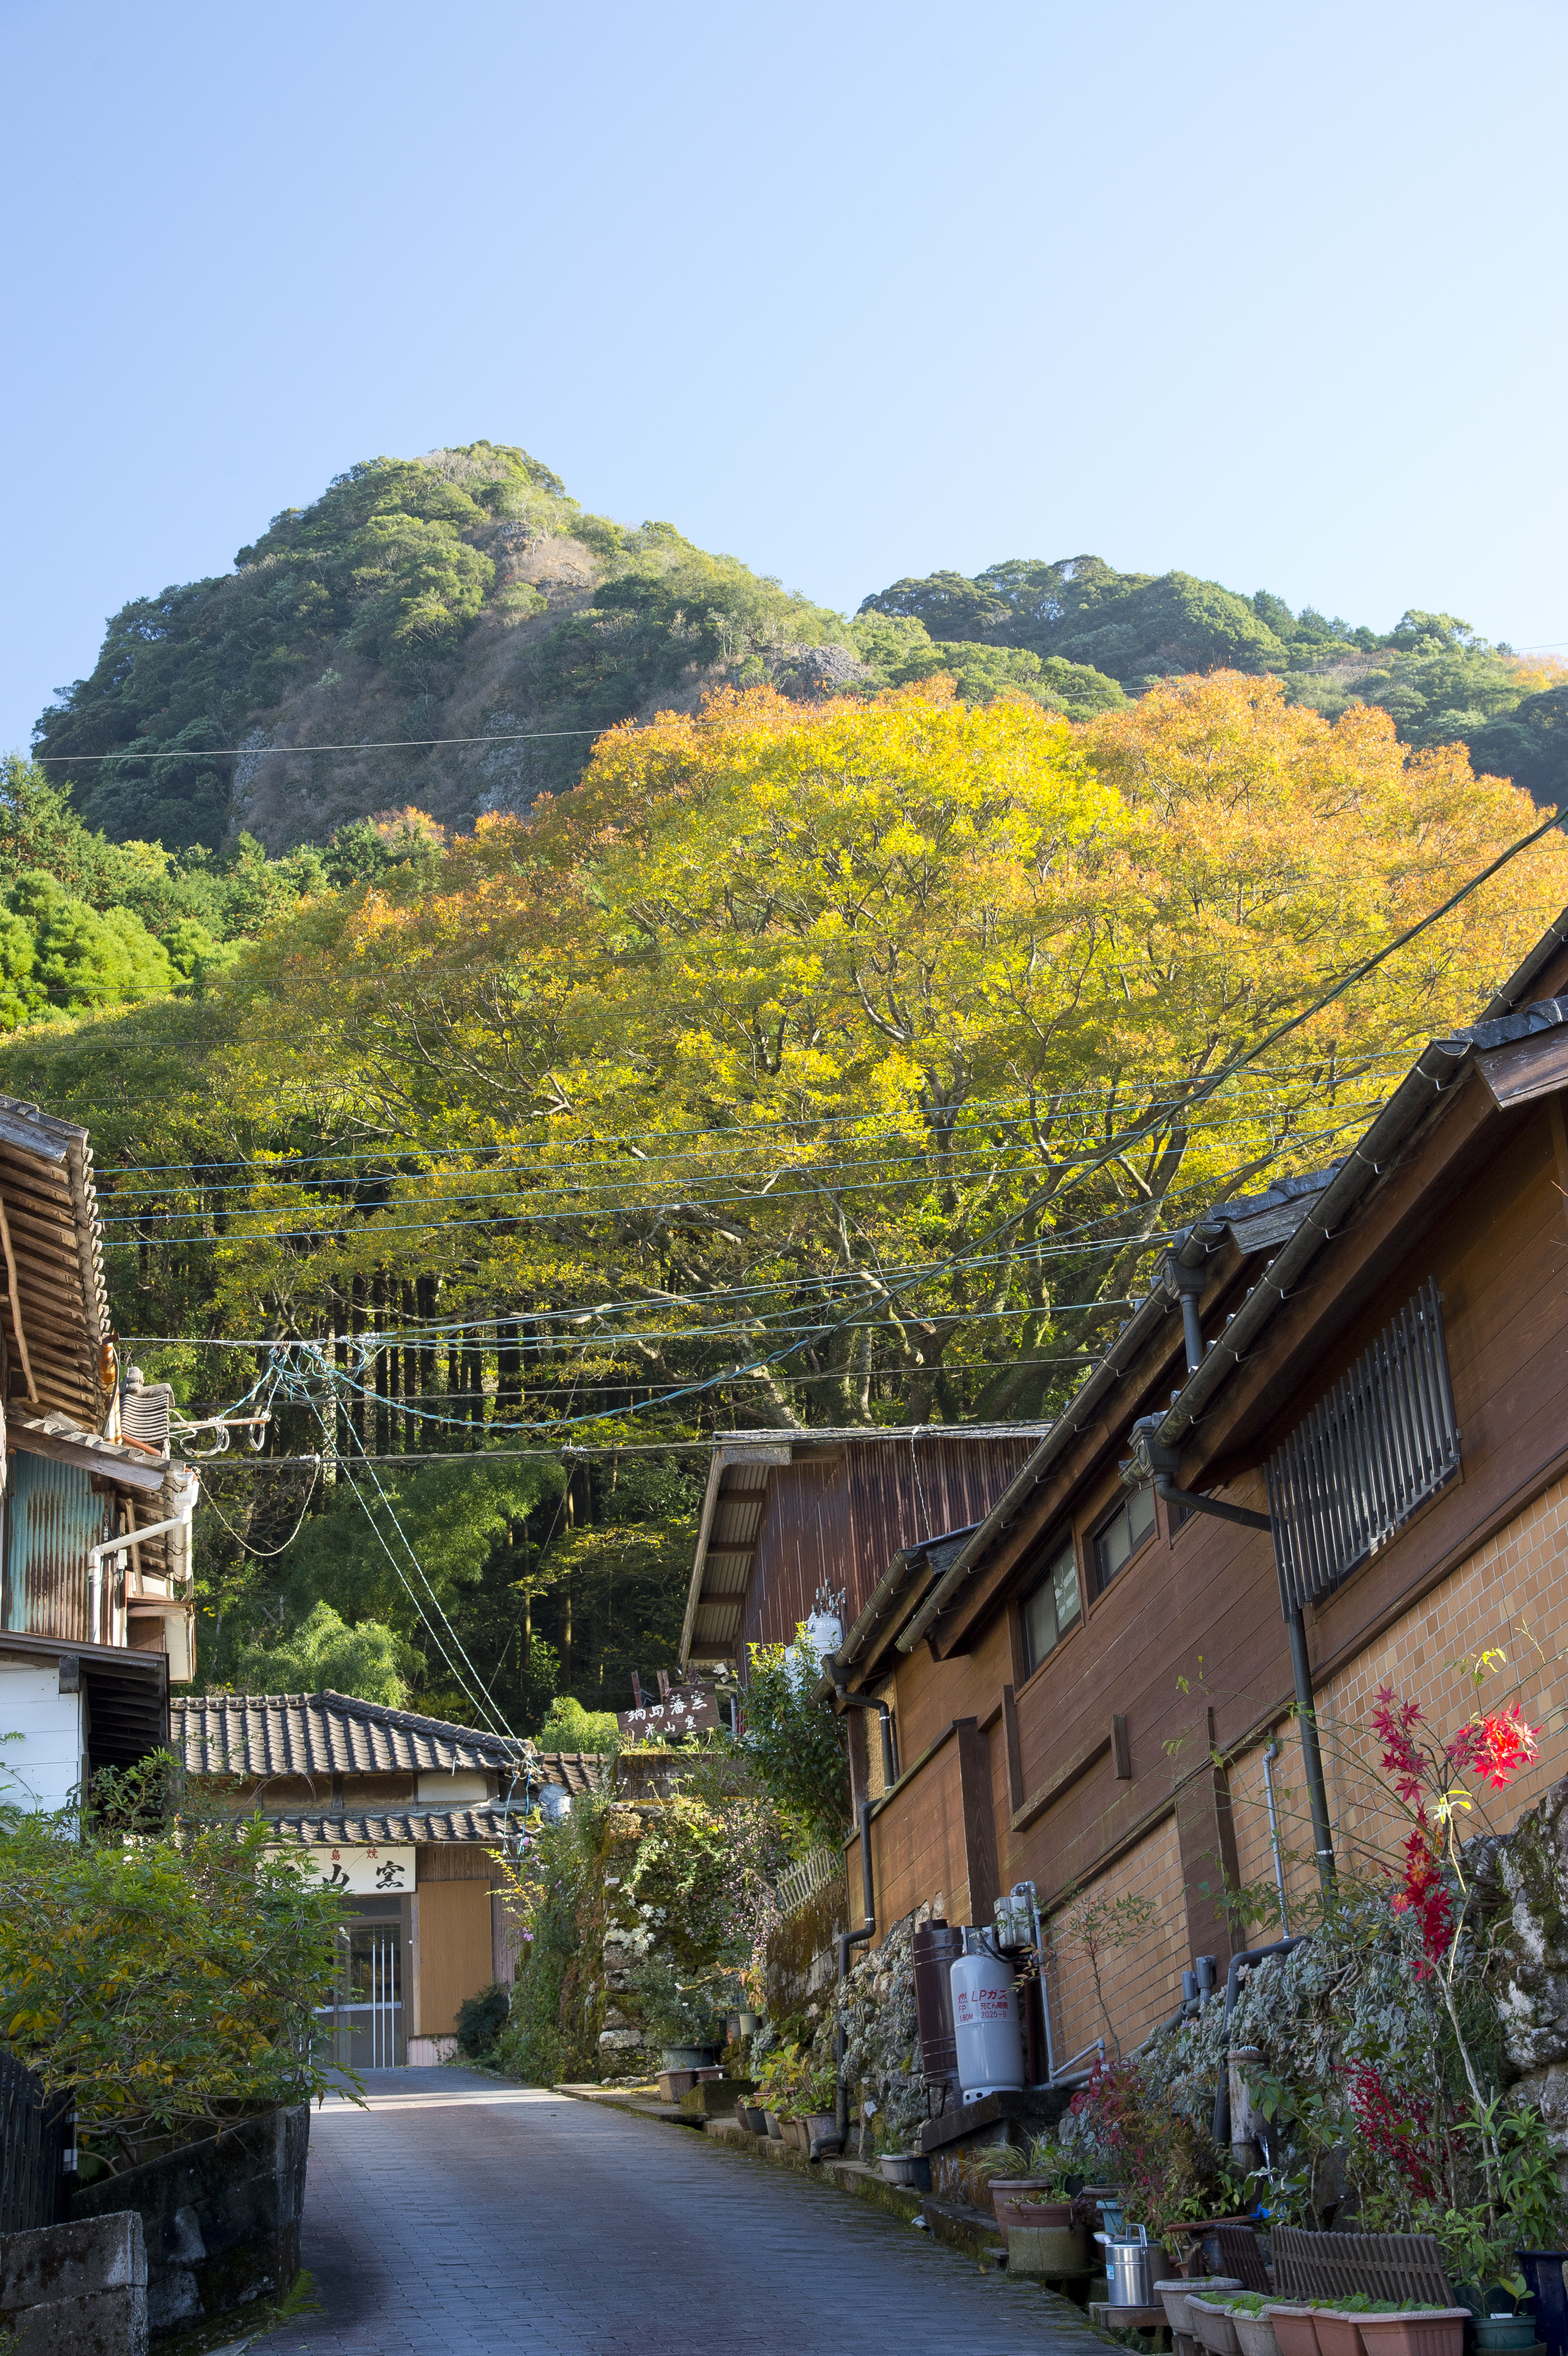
(849, 1056)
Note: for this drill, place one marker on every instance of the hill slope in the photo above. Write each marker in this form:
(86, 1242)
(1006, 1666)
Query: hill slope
(466, 595)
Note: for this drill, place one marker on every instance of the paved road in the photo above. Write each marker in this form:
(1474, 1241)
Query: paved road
(457, 2216)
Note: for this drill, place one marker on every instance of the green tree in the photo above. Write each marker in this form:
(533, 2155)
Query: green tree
(325, 1653)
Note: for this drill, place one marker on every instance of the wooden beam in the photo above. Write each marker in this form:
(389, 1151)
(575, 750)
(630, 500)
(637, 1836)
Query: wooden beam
(1062, 1781)
(18, 1328)
(117, 1469)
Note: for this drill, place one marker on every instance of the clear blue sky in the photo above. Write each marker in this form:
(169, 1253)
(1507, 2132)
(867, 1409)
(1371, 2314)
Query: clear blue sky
(853, 291)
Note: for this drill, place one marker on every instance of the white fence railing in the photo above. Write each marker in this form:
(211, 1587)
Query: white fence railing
(800, 1885)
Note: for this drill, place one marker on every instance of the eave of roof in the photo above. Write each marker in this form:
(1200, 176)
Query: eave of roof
(397, 1828)
(329, 1733)
(782, 1448)
(1436, 1069)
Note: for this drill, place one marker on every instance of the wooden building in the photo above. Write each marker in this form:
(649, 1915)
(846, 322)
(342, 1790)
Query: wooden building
(1329, 1451)
(399, 1814)
(791, 1517)
(95, 1547)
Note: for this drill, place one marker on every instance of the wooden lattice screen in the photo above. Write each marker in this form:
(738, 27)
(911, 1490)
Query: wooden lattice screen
(1385, 2266)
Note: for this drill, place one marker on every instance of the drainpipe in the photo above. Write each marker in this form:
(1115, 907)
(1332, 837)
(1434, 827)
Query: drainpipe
(1270, 1755)
(847, 1700)
(848, 1939)
(1158, 1461)
(1311, 1752)
(1233, 1977)
(1184, 1282)
(123, 1545)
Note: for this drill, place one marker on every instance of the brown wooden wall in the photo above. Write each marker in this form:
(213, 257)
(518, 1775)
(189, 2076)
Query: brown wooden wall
(1187, 1646)
(839, 1521)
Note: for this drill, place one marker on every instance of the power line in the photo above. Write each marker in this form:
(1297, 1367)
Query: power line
(971, 1113)
(387, 744)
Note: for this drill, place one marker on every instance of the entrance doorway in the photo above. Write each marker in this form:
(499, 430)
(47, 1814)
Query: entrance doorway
(364, 2023)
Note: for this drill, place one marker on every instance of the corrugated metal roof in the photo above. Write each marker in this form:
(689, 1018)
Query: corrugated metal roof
(326, 1734)
(53, 1263)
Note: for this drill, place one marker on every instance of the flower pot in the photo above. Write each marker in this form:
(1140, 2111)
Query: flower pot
(774, 2125)
(1256, 2334)
(1427, 2331)
(1211, 2327)
(1295, 2329)
(907, 2169)
(1172, 2296)
(1010, 2195)
(690, 2057)
(1339, 2334)
(754, 2121)
(1503, 2335)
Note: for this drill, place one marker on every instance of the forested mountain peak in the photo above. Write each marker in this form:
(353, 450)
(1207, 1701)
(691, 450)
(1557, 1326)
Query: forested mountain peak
(467, 595)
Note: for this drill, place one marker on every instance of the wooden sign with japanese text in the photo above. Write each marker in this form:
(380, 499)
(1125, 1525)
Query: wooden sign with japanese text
(684, 1709)
(359, 1872)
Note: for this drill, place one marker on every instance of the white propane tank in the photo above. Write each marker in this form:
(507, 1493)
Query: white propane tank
(986, 2030)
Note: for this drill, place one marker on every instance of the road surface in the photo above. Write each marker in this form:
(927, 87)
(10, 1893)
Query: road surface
(457, 2216)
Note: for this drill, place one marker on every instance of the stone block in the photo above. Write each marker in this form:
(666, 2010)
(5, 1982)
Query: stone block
(79, 2290)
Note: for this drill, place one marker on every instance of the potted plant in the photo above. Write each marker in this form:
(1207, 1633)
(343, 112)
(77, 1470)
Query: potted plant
(1211, 2321)
(1295, 2325)
(907, 2169)
(1248, 2311)
(1038, 2199)
(1412, 2329)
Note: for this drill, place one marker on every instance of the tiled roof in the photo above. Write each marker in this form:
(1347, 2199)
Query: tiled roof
(580, 1770)
(397, 1827)
(326, 1734)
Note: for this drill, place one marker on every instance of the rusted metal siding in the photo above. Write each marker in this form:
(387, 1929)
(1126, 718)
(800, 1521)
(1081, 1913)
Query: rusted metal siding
(838, 1523)
(52, 1516)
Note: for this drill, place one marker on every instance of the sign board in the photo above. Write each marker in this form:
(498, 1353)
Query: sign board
(353, 1872)
(686, 1709)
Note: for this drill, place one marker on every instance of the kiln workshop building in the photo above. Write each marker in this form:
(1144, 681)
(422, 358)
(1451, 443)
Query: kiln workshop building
(397, 1812)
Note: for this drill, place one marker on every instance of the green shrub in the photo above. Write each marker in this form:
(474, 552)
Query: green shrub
(480, 2019)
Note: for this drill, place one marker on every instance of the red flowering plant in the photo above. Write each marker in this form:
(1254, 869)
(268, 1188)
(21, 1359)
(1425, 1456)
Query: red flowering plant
(1426, 1778)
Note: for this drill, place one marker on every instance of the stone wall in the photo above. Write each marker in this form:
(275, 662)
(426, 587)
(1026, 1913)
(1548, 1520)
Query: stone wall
(220, 2219)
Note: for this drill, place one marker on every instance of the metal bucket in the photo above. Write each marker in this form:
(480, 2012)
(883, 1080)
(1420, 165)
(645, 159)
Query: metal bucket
(1130, 2265)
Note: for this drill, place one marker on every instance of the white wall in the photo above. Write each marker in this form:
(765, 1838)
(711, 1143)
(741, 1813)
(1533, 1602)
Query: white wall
(44, 1768)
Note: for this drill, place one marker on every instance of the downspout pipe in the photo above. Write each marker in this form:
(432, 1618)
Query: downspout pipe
(848, 1939)
(1233, 1979)
(847, 1700)
(1156, 1458)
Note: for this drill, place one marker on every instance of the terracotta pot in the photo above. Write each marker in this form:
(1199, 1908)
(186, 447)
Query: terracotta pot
(1011, 2196)
(1433, 2331)
(775, 2125)
(1338, 2334)
(1295, 2329)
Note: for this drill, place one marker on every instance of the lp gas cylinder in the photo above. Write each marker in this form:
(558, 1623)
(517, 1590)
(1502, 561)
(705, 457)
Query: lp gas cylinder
(986, 2029)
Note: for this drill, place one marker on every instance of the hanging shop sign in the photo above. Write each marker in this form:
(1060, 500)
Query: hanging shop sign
(684, 1709)
(360, 1872)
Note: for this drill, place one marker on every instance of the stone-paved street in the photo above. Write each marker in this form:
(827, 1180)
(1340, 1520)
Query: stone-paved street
(458, 2216)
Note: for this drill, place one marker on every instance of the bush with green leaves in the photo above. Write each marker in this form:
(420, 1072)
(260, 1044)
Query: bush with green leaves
(796, 1745)
(481, 2019)
(566, 1726)
(160, 1965)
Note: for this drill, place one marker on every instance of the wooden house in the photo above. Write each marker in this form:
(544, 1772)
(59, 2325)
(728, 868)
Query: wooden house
(95, 1520)
(1326, 1453)
(399, 1814)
